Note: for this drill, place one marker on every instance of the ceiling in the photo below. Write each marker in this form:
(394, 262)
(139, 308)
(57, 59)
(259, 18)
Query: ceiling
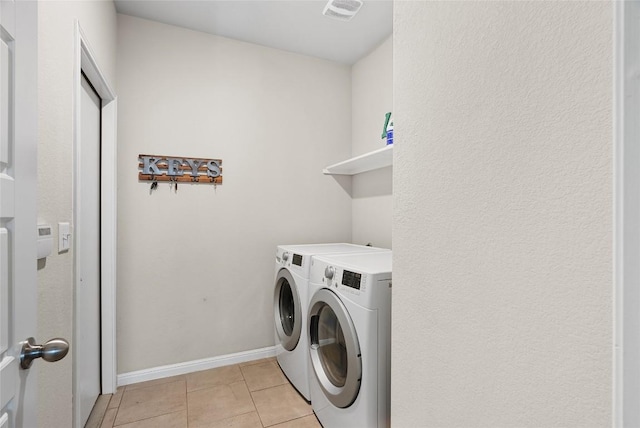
(291, 25)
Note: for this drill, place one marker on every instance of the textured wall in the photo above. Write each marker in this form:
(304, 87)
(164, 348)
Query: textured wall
(371, 98)
(195, 268)
(502, 306)
(56, 56)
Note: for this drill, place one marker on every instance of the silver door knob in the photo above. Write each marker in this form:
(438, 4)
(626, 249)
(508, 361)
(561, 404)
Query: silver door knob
(54, 350)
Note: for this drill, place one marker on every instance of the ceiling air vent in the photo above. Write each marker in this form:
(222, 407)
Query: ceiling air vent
(343, 10)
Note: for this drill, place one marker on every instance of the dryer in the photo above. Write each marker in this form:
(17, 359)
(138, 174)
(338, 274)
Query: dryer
(291, 300)
(350, 340)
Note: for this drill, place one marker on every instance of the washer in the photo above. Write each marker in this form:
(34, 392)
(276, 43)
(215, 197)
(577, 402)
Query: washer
(291, 300)
(350, 340)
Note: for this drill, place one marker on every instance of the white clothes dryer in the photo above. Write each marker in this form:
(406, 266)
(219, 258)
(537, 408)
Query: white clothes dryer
(350, 340)
(291, 300)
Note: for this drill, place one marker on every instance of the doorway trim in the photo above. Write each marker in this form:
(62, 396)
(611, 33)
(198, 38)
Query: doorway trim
(85, 61)
(626, 209)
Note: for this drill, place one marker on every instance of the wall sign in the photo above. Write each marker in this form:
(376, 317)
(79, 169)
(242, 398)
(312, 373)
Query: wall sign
(178, 169)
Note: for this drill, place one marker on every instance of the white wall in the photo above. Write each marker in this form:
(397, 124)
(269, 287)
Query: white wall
(195, 268)
(502, 306)
(56, 52)
(372, 97)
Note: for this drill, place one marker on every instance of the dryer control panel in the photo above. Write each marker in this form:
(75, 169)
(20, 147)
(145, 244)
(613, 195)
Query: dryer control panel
(351, 279)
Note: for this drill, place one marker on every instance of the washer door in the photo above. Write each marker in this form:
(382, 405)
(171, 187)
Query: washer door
(334, 349)
(287, 310)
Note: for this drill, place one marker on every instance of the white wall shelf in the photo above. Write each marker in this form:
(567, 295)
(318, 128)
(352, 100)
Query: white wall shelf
(363, 163)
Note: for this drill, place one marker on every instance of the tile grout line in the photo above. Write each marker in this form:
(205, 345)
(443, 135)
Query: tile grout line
(115, 416)
(255, 407)
(105, 412)
(290, 420)
(117, 408)
(150, 417)
(146, 419)
(251, 395)
(124, 389)
(186, 393)
(272, 386)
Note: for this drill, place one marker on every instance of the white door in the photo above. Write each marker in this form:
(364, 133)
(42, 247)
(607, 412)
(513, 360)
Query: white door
(88, 254)
(18, 163)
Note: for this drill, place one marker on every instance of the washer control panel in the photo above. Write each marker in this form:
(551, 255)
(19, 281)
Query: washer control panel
(297, 259)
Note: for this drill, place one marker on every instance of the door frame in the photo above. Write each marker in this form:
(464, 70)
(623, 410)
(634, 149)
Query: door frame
(85, 61)
(626, 209)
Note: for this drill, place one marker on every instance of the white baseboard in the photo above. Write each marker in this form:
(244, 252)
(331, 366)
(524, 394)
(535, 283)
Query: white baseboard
(194, 366)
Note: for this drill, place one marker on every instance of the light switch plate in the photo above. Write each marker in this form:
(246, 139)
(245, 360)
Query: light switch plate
(64, 237)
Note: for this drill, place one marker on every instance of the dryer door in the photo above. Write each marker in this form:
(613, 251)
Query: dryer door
(334, 348)
(287, 310)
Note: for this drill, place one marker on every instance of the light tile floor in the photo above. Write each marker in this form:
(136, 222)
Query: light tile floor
(247, 395)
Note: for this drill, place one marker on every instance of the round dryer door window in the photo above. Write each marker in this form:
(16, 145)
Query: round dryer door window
(288, 317)
(334, 349)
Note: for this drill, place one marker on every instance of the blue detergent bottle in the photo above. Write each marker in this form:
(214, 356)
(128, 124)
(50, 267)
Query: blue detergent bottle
(387, 129)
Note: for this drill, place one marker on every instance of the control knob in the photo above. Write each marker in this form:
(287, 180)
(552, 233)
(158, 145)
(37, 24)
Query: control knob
(329, 271)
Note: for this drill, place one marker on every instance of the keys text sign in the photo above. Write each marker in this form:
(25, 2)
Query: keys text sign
(179, 169)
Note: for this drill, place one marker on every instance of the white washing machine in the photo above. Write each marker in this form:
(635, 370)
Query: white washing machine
(291, 300)
(350, 340)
